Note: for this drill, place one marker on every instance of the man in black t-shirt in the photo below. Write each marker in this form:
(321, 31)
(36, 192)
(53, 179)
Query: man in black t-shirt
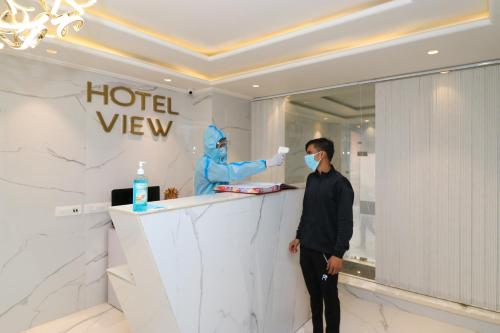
(324, 233)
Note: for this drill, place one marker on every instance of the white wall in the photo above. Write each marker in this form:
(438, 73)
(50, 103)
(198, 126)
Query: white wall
(233, 114)
(437, 184)
(268, 133)
(53, 152)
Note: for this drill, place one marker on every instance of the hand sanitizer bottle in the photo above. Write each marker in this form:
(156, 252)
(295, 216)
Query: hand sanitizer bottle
(140, 190)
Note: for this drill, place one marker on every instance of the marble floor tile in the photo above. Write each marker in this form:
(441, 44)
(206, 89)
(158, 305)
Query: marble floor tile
(358, 316)
(102, 318)
(361, 316)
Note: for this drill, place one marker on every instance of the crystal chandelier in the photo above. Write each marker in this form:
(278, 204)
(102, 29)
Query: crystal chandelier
(20, 31)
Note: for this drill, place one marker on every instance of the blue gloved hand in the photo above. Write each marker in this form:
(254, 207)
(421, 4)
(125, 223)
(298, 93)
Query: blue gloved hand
(276, 160)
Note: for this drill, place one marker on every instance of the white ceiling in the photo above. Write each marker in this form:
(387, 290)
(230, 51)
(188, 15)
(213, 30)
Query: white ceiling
(216, 23)
(281, 45)
(343, 102)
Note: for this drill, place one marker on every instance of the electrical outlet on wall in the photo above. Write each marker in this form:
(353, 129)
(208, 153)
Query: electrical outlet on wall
(68, 210)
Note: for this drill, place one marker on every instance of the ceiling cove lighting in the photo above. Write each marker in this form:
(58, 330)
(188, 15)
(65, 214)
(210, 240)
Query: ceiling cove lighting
(23, 27)
(432, 52)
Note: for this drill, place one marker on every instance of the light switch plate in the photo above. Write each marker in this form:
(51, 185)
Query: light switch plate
(74, 210)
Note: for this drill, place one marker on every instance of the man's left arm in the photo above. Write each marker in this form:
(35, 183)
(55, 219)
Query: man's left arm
(344, 226)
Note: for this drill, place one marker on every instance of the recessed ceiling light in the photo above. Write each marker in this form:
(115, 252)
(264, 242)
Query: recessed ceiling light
(51, 51)
(445, 72)
(255, 86)
(432, 52)
(367, 120)
(167, 80)
(325, 118)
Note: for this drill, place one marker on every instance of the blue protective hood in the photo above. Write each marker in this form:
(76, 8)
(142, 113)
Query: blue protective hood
(212, 136)
(212, 169)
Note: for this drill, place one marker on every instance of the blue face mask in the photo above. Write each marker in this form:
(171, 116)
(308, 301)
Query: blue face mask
(311, 162)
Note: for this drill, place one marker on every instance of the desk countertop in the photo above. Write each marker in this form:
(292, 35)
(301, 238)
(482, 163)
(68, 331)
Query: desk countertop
(188, 202)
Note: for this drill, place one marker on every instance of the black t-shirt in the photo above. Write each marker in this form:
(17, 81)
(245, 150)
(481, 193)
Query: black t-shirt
(326, 223)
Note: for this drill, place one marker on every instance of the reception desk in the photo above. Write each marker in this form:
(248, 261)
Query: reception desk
(214, 263)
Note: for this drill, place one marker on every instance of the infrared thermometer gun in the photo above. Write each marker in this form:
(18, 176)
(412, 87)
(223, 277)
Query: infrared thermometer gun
(283, 150)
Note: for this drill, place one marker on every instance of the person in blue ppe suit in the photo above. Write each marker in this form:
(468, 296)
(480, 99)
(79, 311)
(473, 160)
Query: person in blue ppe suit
(212, 169)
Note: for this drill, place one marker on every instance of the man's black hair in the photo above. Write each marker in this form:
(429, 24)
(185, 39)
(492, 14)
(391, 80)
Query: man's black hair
(323, 144)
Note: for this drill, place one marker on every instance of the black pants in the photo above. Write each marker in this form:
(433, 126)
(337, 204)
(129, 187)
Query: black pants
(322, 288)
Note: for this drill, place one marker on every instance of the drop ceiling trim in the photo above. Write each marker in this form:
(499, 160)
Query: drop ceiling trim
(122, 57)
(213, 54)
(72, 65)
(332, 114)
(222, 92)
(93, 48)
(92, 17)
(382, 79)
(479, 22)
(352, 107)
(321, 26)
(316, 114)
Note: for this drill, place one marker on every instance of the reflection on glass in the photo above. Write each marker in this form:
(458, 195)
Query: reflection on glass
(345, 115)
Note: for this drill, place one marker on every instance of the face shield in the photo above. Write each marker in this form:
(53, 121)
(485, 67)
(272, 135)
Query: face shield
(222, 143)
(222, 149)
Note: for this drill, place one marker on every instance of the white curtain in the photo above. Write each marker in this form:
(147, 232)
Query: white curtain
(268, 133)
(438, 185)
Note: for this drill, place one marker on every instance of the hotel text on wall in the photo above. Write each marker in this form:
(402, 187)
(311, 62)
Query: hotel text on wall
(149, 108)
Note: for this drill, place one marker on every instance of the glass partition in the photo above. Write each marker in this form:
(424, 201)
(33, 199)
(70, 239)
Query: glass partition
(345, 115)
